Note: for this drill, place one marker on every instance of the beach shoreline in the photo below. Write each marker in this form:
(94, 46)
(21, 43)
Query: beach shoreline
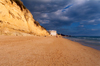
(89, 41)
(45, 51)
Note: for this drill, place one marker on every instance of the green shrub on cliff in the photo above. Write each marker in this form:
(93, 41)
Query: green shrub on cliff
(37, 23)
(19, 3)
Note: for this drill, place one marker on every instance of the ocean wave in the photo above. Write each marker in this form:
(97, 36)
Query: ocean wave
(93, 42)
(93, 38)
(88, 40)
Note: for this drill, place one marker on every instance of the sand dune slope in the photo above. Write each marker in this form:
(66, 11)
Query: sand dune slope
(45, 51)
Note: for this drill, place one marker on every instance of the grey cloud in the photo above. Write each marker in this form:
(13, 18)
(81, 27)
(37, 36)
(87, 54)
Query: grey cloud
(49, 13)
(45, 5)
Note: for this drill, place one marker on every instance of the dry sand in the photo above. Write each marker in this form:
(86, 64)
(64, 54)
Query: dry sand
(45, 51)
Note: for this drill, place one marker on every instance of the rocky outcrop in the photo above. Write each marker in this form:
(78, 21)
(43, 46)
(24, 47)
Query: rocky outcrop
(16, 19)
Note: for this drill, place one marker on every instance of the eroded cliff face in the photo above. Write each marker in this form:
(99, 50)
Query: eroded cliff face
(16, 19)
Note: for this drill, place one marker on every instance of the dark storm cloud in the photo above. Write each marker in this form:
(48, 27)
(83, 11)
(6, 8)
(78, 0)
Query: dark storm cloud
(49, 14)
(44, 5)
(84, 12)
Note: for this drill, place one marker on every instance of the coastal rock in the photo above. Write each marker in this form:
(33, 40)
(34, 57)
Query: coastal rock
(16, 19)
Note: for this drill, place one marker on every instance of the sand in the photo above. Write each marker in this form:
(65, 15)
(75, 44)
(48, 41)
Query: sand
(45, 51)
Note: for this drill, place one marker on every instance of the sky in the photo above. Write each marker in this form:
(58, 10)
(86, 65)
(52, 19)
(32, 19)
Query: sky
(69, 17)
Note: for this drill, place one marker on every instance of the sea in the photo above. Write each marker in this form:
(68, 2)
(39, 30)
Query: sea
(90, 41)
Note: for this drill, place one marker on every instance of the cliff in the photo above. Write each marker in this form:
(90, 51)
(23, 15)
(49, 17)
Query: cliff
(16, 19)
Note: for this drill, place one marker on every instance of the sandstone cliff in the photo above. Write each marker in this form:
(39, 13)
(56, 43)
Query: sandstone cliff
(16, 19)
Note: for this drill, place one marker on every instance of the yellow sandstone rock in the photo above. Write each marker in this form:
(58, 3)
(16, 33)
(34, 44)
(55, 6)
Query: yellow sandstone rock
(16, 19)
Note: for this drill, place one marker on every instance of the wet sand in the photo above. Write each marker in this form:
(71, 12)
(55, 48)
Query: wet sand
(45, 51)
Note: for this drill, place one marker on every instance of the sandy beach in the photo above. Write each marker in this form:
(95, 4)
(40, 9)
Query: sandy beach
(45, 51)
